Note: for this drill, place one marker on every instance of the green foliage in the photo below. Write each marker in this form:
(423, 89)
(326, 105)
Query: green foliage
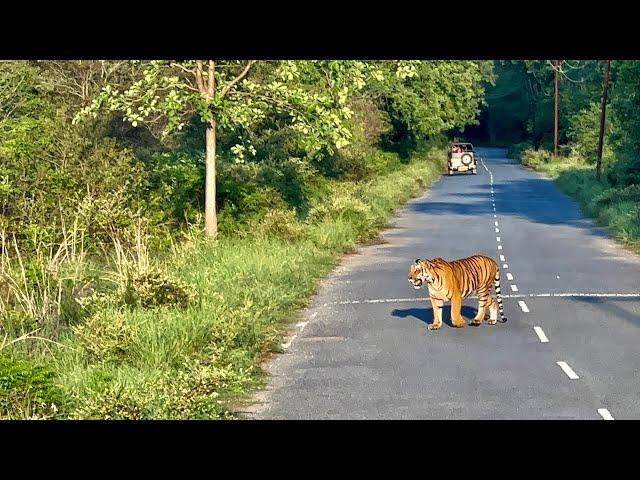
(583, 132)
(516, 150)
(175, 182)
(106, 336)
(154, 288)
(442, 95)
(167, 363)
(164, 324)
(28, 391)
(535, 158)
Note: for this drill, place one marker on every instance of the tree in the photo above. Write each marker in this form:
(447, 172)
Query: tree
(438, 96)
(236, 95)
(603, 110)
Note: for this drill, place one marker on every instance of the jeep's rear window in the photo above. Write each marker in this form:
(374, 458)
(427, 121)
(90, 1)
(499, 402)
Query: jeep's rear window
(464, 147)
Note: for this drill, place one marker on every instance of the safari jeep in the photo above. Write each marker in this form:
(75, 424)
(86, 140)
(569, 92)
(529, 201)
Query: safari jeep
(462, 158)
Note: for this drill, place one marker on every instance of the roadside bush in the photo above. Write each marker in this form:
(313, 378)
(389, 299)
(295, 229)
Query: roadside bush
(27, 390)
(534, 158)
(176, 182)
(106, 336)
(52, 172)
(282, 224)
(583, 133)
(615, 195)
(154, 288)
(624, 172)
(516, 149)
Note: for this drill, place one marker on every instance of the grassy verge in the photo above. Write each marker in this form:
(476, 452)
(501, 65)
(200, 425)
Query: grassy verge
(194, 358)
(618, 209)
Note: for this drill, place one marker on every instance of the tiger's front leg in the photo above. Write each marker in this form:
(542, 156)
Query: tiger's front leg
(456, 311)
(437, 313)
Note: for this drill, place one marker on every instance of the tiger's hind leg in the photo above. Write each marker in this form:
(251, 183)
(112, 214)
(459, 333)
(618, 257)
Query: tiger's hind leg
(493, 312)
(484, 299)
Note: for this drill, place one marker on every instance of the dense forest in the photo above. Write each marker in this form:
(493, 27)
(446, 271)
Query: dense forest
(161, 221)
(519, 114)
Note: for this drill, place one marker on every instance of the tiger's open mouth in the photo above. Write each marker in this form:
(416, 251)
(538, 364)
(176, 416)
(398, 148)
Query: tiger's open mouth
(416, 283)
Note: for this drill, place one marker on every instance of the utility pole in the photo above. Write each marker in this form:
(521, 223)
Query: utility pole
(555, 110)
(603, 112)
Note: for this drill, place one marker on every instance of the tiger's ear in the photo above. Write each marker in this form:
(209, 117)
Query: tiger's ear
(418, 261)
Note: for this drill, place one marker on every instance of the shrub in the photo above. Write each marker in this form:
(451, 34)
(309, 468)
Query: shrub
(27, 390)
(176, 181)
(533, 158)
(624, 172)
(583, 132)
(516, 149)
(281, 224)
(615, 195)
(106, 336)
(154, 288)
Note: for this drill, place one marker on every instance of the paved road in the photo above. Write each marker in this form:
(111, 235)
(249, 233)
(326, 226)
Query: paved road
(363, 350)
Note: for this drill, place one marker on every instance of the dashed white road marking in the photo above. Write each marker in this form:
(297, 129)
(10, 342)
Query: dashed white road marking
(543, 338)
(495, 216)
(497, 230)
(604, 413)
(509, 276)
(502, 258)
(523, 306)
(558, 277)
(498, 239)
(505, 266)
(568, 370)
(496, 223)
(514, 288)
(499, 247)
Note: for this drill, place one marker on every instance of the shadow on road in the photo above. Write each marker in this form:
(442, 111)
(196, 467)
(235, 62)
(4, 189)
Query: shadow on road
(610, 309)
(536, 199)
(426, 314)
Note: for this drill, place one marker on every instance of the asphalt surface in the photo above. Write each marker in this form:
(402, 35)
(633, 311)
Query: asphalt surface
(363, 351)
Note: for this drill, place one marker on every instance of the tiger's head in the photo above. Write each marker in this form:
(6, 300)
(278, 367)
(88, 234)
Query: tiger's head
(419, 273)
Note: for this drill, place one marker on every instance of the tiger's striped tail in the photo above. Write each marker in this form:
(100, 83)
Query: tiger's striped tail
(496, 284)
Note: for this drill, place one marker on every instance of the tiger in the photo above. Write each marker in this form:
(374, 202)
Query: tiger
(456, 280)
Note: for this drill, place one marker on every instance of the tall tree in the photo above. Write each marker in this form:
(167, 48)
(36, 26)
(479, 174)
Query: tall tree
(603, 110)
(235, 95)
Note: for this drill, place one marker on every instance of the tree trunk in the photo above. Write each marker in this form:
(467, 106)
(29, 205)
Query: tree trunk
(210, 219)
(555, 111)
(603, 112)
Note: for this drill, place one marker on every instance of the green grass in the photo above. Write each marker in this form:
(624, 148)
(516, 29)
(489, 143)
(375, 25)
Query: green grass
(198, 359)
(617, 209)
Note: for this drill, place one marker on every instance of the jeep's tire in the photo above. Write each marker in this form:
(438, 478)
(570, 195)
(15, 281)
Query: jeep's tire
(466, 159)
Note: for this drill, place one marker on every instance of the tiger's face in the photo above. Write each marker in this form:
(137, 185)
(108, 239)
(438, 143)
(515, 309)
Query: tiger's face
(419, 274)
